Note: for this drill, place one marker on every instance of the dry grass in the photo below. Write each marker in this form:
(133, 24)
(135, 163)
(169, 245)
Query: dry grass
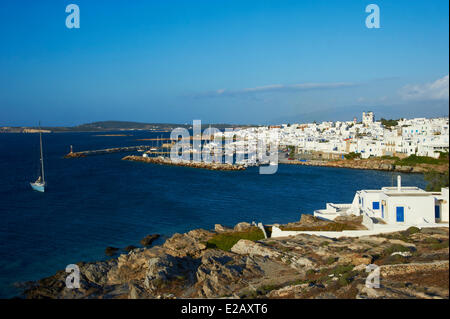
(327, 227)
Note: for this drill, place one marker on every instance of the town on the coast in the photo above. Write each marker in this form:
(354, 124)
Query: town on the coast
(399, 231)
(366, 138)
(383, 210)
(418, 145)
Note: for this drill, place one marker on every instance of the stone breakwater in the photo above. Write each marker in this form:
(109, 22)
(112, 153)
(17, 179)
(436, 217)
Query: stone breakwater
(107, 151)
(413, 263)
(379, 165)
(168, 161)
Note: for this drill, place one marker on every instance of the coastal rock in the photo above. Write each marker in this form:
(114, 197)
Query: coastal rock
(132, 266)
(167, 161)
(248, 247)
(111, 251)
(242, 226)
(419, 169)
(302, 266)
(191, 243)
(149, 239)
(167, 267)
(138, 292)
(218, 228)
(97, 272)
(386, 167)
(130, 248)
(92, 283)
(220, 273)
(403, 169)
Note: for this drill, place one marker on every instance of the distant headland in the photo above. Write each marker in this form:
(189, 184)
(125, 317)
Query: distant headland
(108, 126)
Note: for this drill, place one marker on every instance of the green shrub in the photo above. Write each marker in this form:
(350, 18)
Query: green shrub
(227, 240)
(388, 157)
(414, 160)
(346, 278)
(342, 269)
(442, 245)
(310, 272)
(389, 123)
(352, 155)
(412, 230)
(436, 181)
(432, 240)
(395, 259)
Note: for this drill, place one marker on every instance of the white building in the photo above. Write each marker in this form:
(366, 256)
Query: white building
(368, 118)
(403, 206)
(417, 136)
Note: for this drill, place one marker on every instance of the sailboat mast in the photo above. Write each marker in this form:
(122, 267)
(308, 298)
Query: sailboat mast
(42, 154)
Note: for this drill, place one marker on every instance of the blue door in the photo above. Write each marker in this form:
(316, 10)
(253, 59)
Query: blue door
(382, 211)
(400, 214)
(437, 211)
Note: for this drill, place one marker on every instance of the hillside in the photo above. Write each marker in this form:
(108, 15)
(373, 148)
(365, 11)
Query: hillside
(201, 264)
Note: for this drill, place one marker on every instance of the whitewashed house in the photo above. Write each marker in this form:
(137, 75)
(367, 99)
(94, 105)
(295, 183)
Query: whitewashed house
(394, 206)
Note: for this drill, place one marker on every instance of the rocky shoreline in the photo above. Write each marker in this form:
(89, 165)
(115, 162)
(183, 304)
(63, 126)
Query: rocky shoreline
(168, 161)
(413, 264)
(370, 164)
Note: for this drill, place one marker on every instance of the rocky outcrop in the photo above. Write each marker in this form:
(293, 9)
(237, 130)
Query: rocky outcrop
(218, 228)
(242, 226)
(302, 266)
(189, 244)
(374, 164)
(111, 251)
(221, 273)
(149, 239)
(248, 247)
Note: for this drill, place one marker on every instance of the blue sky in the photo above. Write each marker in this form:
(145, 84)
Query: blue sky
(221, 61)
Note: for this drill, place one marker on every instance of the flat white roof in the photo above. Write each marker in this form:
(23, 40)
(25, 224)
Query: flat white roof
(423, 194)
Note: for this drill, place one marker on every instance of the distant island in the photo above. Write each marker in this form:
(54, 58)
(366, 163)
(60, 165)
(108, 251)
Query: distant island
(108, 126)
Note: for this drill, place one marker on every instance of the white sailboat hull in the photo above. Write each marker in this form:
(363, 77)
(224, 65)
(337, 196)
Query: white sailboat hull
(40, 187)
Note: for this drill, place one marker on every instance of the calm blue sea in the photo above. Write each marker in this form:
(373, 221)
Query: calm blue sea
(101, 201)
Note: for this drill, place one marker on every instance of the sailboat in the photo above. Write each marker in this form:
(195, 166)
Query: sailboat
(39, 184)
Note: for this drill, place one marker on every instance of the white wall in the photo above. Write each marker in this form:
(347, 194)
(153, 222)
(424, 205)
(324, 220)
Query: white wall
(369, 198)
(444, 205)
(415, 208)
